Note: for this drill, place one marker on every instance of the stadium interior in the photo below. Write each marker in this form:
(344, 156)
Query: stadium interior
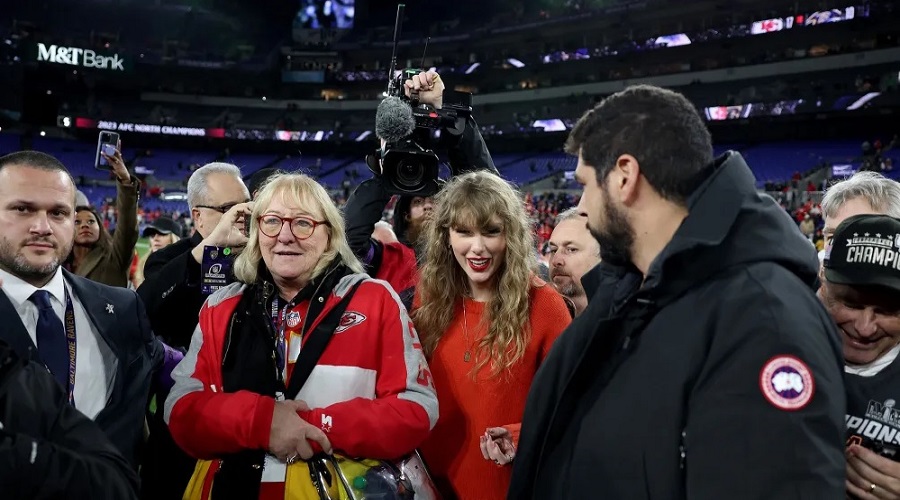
(806, 91)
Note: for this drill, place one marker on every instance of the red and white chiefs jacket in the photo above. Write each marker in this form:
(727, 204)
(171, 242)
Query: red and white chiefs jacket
(371, 391)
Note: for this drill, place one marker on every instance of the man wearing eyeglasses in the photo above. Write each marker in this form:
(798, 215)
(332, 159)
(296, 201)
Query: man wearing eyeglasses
(172, 292)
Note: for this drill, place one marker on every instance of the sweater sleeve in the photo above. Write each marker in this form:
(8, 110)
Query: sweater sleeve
(549, 317)
(362, 211)
(126, 234)
(405, 408)
(514, 431)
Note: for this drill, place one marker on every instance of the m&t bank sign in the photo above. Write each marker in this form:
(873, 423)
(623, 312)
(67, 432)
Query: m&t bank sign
(76, 56)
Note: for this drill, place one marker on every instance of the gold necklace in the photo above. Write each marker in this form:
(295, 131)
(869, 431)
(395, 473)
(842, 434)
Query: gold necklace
(468, 354)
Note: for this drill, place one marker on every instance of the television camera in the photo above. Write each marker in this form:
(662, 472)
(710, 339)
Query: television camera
(406, 126)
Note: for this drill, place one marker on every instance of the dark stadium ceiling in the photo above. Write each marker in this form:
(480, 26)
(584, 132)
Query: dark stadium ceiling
(276, 15)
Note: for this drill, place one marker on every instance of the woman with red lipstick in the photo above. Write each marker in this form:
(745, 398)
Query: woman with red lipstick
(96, 255)
(486, 323)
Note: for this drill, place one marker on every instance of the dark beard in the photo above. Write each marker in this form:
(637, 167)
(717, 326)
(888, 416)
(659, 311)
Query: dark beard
(15, 264)
(414, 230)
(617, 238)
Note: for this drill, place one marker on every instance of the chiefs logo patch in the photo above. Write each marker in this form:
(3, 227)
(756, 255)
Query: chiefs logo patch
(349, 320)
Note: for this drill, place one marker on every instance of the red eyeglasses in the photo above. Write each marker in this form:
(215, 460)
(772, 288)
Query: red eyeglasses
(301, 227)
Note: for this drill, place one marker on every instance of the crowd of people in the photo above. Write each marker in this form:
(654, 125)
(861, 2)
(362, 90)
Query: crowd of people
(682, 339)
(545, 210)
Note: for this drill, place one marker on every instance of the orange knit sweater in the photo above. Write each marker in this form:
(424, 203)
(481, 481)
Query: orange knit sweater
(468, 406)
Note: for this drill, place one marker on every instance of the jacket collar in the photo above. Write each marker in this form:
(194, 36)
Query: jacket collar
(321, 286)
(713, 209)
(20, 292)
(94, 299)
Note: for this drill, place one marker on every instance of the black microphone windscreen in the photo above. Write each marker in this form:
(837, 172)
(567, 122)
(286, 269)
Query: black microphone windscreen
(393, 120)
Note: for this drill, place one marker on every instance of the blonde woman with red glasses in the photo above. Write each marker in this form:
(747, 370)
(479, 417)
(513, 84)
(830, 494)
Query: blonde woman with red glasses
(242, 402)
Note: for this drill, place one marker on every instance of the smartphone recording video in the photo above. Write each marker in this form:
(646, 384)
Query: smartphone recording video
(107, 143)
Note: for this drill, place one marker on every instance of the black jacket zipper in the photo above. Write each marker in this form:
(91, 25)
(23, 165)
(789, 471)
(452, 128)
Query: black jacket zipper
(228, 340)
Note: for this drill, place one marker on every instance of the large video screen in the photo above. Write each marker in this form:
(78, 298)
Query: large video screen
(325, 14)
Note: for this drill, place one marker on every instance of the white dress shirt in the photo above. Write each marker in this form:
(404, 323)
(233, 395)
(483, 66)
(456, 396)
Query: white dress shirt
(95, 363)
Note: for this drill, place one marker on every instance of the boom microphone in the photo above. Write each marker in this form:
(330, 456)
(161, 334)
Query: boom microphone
(394, 120)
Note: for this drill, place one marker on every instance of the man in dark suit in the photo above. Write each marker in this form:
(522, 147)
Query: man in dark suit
(95, 339)
(172, 291)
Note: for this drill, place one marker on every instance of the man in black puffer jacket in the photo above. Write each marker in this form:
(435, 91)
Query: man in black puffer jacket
(48, 449)
(704, 367)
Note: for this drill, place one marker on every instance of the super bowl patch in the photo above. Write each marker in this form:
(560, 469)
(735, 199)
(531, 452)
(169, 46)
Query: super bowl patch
(293, 319)
(787, 383)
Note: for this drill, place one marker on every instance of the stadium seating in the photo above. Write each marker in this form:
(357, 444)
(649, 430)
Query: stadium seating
(9, 143)
(773, 162)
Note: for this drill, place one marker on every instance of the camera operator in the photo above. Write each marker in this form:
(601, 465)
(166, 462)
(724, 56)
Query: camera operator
(861, 290)
(396, 262)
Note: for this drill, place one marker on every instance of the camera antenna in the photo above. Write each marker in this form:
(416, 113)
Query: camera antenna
(398, 23)
(423, 53)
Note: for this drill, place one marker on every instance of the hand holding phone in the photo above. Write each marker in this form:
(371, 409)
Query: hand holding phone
(107, 145)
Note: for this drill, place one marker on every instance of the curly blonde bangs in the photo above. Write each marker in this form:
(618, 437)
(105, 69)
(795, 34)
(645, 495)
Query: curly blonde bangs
(474, 200)
(302, 191)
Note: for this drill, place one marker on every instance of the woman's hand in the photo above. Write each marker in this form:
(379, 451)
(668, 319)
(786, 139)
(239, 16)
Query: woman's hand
(497, 445)
(289, 435)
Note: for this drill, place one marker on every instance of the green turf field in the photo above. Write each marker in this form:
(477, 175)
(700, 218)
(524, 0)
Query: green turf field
(142, 246)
